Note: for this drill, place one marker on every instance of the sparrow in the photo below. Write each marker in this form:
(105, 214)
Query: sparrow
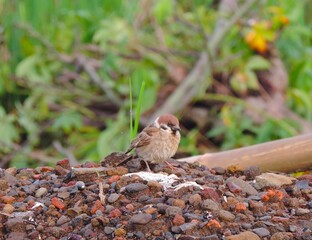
(157, 142)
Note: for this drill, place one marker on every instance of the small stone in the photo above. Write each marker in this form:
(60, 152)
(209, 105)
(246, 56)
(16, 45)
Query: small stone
(302, 211)
(64, 163)
(261, 232)
(8, 208)
(302, 184)
(234, 188)
(211, 194)
(212, 237)
(155, 185)
(251, 172)
(80, 185)
(109, 230)
(40, 192)
(179, 203)
(195, 199)
(187, 226)
(245, 186)
(63, 195)
(113, 197)
(178, 220)
(150, 210)
(8, 199)
(120, 232)
(136, 187)
(63, 219)
(273, 180)
(113, 179)
(130, 207)
(96, 206)
(209, 204)
(169, 236)
(141, 218)
(58, 203)
(281, 236)
(115, 213)
(3, 185)
(244, 236)
(172, 211)
(226, 215)
(219, 170)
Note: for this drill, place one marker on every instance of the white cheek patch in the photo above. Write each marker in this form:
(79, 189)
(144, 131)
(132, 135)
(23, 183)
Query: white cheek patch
(156, 124)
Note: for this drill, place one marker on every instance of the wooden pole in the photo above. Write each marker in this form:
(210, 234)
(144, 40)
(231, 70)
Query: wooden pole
(286, 155)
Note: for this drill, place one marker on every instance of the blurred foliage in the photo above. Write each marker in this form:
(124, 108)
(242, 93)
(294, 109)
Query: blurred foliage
(49, 94)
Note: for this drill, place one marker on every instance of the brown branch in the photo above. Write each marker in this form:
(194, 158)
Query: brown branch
(286, 155)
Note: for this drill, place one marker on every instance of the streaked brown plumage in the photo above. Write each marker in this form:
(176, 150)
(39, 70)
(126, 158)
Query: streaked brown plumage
(159, 141)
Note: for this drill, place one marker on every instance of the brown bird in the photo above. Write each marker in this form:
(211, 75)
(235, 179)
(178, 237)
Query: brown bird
(159, 141)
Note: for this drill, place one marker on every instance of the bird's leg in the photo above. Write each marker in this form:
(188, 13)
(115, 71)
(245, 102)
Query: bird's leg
(171, 166)
(147, 166)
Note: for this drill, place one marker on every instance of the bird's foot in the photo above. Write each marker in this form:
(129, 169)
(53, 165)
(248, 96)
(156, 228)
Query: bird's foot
(173, 168)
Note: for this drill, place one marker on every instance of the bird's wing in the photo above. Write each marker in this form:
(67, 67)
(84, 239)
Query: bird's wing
(143, 139)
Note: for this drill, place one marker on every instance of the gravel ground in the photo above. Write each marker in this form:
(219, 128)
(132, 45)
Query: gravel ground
(194, 203)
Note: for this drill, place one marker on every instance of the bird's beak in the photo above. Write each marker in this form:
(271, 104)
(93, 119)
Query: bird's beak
(176, 129)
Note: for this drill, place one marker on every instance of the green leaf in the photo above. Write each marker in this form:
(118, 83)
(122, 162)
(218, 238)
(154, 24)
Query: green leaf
(113, 138)
(9, 132)
(252, 80)
(257, 63)
(163, 9)
(68, 121)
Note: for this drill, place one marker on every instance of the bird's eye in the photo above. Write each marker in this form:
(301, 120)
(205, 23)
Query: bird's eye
(163, 127)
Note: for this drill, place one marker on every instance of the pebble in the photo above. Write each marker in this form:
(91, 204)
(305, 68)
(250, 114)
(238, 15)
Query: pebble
(120, 232)
(178, 220)
(245, 186)
(244, 236)
(302, 211)
(281, 236)
(113, 197)
(135, 187)
(108, 230)
(172, 211)
(141, 218)
(8, 208)
(219, 170)
(226, 215)
(195, 199)
(209, 204)
(63, 219)
(179, 203)
(251, 172)
(273, 180)
(261, 232)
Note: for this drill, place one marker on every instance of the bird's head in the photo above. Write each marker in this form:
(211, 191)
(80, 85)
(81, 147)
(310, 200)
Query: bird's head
(168, 123)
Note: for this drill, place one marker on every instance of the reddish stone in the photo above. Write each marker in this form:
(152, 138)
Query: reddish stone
(114, 178)
(273, 196)
(71, 183)
(211, 194)
(96, 206)
(64, 163)
(47, 169)
(58, 203)
(178, 220)
(213, 224)
(240, 207)
(115, 213)
(37, 176)
(8, 199)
